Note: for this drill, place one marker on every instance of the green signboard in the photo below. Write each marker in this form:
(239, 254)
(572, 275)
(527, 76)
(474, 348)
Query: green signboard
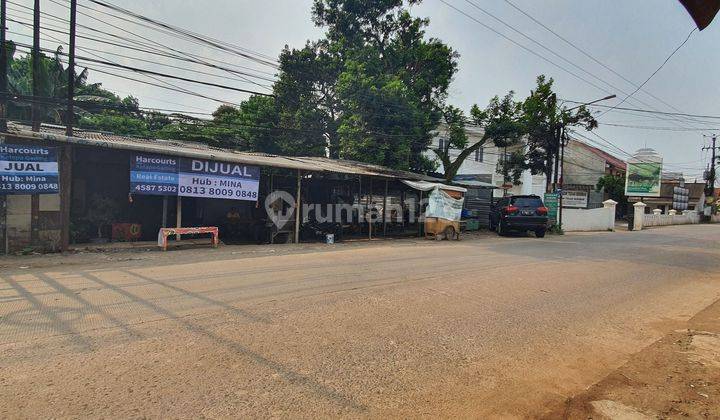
(643, 179)
(552, 203)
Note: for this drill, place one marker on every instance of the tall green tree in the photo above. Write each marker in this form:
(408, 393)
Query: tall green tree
(543, 119)
(502, 124)
(614, 187)
(372, 89)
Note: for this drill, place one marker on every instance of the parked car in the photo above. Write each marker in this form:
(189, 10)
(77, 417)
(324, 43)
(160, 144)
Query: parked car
(519, 213)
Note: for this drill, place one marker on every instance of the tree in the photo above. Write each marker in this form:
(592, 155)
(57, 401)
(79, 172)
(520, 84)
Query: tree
(544, 120)
(502, 124)
(371, 90)
(95, 107)
(53, 86)
(614, 187)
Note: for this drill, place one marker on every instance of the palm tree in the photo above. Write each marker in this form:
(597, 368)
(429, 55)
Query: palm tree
(53, 86)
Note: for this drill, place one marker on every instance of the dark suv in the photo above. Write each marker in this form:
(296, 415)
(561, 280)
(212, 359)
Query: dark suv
(519, 213)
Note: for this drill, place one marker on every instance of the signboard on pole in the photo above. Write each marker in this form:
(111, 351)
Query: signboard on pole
(551, 201)
(644, 174)
(28, 169)
(185, 177)
(204, 178)
(575, 199)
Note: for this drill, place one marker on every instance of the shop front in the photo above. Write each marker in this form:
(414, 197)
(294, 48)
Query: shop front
(127, 189)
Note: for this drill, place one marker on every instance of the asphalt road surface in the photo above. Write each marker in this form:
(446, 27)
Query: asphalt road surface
(482, 327)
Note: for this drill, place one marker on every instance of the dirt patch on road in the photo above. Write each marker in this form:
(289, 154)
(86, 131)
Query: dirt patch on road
(676, 377)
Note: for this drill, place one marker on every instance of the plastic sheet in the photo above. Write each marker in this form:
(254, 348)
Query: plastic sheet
(443, 206)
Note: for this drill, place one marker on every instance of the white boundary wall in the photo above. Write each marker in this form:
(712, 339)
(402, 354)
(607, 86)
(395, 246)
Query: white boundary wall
(584, 220)
(688, 217)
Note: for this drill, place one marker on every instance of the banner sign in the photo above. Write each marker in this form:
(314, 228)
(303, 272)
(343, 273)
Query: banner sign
(233, 181)
(159, 175)
(643, 179)
(551, 201)
(154, 175)
(575, 199)
(28, 170)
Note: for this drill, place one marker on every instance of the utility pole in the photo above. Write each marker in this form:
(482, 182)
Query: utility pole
(3, 67)
(36, 68)
(3, 116)
(710, 186)
(36, 117)
(66, 157)
(561, 176)
(71, 69)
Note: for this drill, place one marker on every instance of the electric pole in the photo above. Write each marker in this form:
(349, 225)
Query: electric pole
(3, 117)
(710, 186)
(71, 69)
(36, 118)
(66, 155)
(3, 67)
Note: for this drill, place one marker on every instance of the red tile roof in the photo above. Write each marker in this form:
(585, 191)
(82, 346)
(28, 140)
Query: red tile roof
(609, 159)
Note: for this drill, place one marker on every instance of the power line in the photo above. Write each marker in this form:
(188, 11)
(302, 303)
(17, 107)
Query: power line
(655, 72)
(91, 50)
(148, 43)
(201, 38)
(588, 55)
(155, 73)
(542, 46)
(154, 52)
(179, 31)
(654, 128)
(649, 111)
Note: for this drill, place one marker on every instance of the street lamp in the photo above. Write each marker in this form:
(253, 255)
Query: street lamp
(595, 101)
(561, 152)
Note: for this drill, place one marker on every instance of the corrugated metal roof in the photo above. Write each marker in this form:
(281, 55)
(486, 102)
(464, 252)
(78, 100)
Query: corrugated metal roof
(203, 151)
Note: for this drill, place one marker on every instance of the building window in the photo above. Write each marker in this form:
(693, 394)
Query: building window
(441, 144)
(504, 157)
(479, 155)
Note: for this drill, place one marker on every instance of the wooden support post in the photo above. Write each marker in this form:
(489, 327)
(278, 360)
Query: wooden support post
(3, 206)
(402, 209)
(385, 209)
(178, 216)
(66, 167)
(369, 212)
(298, 208)
(419, 215)
(34, 219)
(270, 191)
(165, 211)
(359, 202)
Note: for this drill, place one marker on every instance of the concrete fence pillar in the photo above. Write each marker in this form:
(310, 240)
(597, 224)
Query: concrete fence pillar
(609, 206)
(639, 212)
(672, 212)
(657, 212)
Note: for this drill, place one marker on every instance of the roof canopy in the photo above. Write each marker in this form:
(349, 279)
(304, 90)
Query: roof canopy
(428, 186)
(198, 150)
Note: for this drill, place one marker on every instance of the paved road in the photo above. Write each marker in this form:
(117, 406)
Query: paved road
(503, 326)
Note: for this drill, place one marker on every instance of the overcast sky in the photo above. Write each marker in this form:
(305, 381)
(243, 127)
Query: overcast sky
(633, 37)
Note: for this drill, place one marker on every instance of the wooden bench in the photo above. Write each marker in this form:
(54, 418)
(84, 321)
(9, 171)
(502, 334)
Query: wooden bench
(165, 232)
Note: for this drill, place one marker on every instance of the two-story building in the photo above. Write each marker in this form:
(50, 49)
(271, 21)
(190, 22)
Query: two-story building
(483, 165)
(583, 167)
